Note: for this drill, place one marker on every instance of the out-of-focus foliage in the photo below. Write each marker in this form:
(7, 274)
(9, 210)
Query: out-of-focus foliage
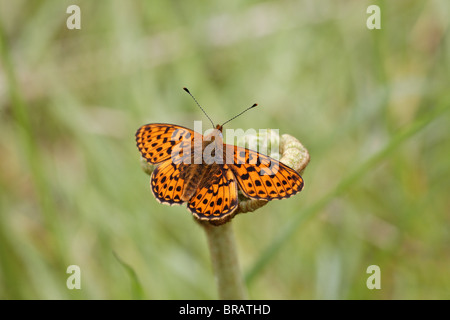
(368, 104)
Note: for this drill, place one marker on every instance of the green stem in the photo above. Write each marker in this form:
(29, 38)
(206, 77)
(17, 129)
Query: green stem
(222, 247)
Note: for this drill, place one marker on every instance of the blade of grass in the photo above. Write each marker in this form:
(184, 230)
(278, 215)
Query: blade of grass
(294, 225)
(136, 287)
(31, 154)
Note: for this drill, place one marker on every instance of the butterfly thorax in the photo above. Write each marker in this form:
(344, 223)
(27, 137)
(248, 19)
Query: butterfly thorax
(209, 167)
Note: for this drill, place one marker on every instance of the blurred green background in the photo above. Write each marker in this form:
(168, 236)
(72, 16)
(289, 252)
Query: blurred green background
(370, 106)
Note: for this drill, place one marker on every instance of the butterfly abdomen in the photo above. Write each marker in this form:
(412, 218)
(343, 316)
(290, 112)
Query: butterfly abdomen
(192, 175)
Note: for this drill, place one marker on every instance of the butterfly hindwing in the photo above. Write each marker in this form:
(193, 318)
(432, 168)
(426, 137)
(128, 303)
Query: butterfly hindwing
(262, 177)
(167, 184)
(216, 196)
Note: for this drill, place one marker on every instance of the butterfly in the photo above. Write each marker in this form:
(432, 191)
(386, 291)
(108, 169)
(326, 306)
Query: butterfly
(206, 174)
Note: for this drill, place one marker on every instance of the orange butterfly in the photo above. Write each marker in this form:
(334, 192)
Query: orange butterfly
(210, 186)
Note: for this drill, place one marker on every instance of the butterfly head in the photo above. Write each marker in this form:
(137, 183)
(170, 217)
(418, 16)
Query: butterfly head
(215, 134)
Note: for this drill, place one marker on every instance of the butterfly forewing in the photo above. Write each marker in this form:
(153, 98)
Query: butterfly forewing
(262, 177)
(159, 142)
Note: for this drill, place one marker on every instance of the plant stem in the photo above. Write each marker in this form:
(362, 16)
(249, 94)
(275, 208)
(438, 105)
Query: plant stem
(225, 263)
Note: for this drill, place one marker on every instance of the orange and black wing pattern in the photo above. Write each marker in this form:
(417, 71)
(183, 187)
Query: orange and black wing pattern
(217, 196)
(158, 142)
(262, 177)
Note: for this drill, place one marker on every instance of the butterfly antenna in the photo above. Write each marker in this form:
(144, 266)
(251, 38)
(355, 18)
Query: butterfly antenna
(254, 105)
(185, 89)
